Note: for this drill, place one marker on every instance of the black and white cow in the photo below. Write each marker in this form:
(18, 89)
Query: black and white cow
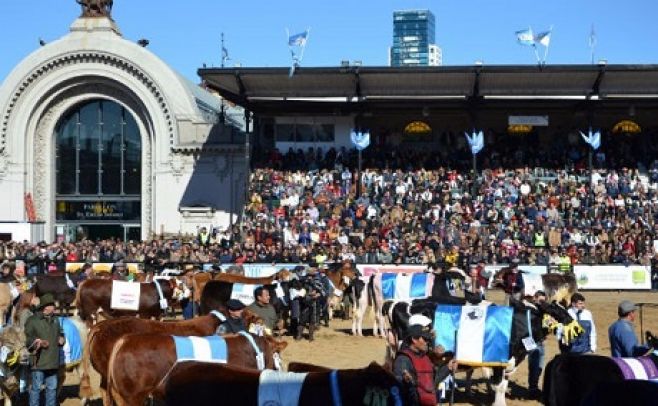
(568, 379)
(398, 317)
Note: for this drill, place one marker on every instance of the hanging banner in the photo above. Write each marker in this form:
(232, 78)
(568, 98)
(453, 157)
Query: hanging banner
(613, 277)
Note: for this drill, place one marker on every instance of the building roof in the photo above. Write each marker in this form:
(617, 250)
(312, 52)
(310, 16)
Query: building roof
(356, 86)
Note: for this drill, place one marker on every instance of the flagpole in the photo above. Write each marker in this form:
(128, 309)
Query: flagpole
(222, 50)
(536, 54)
(549, 44)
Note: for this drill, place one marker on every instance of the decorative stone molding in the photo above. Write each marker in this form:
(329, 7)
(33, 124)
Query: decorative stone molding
(87, 57)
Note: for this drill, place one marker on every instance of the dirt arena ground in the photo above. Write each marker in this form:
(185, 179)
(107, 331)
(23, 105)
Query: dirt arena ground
(336, 348)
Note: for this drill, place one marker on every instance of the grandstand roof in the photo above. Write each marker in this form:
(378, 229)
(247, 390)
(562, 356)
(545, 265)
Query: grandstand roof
(354, 88)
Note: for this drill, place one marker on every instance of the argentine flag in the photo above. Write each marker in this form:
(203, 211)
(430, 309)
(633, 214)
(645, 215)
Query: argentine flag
(203, 349)
(71, 352)
(482, 332)
(400, 286)
(525, 37)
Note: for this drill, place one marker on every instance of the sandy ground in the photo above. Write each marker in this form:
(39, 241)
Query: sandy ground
(334, 347)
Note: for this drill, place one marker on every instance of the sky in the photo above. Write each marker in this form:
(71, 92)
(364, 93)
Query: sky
(186, 33)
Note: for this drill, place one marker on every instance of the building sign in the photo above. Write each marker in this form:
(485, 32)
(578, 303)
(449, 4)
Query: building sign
(98, 210)
(536, 121)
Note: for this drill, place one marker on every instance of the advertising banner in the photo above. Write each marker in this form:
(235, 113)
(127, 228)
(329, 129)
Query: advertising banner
(531, 276)
(613, 277)
(370, 269)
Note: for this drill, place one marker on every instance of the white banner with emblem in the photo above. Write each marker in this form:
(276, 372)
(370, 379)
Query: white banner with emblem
(613, 277)
(125, 295)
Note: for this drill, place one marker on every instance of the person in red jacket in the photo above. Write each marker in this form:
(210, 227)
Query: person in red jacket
(414, 369)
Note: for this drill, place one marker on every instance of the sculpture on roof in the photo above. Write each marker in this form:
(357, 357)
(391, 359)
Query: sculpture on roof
(96, 8)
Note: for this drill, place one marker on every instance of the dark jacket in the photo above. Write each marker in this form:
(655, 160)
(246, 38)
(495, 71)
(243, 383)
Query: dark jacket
(45, 328)
(231, 326)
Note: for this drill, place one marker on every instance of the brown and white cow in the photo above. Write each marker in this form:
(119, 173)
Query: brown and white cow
(140, 361)
(199, 384)
(96, 294)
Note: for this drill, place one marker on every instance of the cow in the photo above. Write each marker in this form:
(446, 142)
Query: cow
(95, 294)
(104, 335)
(201, 384)
(217, 292)
(632, 392)
(62, 286)
(523, 313)
(140, 361)
(443, 285)
(568, 378)
(7, 295)
(557, 286)
(341, 280)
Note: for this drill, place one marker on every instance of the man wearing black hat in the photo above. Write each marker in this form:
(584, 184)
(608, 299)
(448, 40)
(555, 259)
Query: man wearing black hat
(44, 337)
(234, 323)
(413, 368)
(513, 283)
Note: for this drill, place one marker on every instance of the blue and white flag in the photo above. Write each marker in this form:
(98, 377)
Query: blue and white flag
(592, 138)
(543, 38)
(398, 286)
(483, 332)
(71, 352)
(525, 37)
(476, 141)
(203, 349)
(298, 39)
(360, 140)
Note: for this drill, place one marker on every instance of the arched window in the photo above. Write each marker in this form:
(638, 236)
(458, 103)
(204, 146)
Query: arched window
(98, 151)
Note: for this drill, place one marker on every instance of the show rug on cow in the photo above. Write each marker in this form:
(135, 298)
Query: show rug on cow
(103, 336)
(199, 384)
(503, 346)
(130, 384)
(569, 379)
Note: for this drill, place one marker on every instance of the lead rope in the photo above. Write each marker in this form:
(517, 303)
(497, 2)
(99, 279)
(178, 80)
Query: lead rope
(163, 301)
(260, 358)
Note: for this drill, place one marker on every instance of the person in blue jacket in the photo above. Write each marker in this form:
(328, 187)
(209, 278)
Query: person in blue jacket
(623, 341)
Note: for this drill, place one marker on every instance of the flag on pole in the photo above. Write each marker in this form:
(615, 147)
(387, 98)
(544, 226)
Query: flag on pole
(476, 141)
(298, 39)
(525, 37)
(360, 140)
(543, 38)
(225, 54)
(592, 138)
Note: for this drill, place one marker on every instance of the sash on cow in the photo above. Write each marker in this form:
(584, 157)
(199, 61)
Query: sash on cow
(202, 349)
(125, 295)
(280, 388)
(482, 332)
(405, 286)
(71, 351)
(640, 368)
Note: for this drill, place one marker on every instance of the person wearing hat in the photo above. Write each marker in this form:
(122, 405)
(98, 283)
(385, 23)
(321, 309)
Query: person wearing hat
(44, 337)
(513, 283)
(234, 322)
(414, 369)
(623, 342)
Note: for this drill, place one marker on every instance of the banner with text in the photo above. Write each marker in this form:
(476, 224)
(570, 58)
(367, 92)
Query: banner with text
(531, 276)
(613, 277)
(370, 269)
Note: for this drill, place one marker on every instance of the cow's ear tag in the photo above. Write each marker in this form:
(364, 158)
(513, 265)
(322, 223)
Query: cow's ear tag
(529, 343)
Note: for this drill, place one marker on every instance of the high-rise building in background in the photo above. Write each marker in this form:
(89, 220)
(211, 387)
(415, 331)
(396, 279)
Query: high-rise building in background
(414, 39)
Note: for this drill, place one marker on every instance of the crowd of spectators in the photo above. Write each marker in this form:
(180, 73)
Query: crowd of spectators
(304, 207)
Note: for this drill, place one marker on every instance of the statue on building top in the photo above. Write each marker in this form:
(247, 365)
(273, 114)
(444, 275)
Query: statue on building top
(96, 8)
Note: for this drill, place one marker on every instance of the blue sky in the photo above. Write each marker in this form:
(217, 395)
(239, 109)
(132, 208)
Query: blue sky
(186, 33)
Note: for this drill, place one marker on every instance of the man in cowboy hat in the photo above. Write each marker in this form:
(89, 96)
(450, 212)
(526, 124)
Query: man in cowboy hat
(44, 337)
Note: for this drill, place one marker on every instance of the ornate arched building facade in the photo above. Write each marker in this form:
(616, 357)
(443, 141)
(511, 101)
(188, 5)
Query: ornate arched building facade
(141, 111)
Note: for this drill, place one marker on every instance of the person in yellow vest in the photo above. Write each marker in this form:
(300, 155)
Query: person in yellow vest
(204, 237)
(564, 263)
(539, 239)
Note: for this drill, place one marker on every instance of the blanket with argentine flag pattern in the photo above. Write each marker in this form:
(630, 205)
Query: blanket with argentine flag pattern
(202, 349)
(480, 333)
(399, 286)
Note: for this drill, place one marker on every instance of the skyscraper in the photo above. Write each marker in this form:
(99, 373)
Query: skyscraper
(414, 39)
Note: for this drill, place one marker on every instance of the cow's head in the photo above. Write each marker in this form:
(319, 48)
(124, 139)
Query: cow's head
(273, 354)
(652, 340)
